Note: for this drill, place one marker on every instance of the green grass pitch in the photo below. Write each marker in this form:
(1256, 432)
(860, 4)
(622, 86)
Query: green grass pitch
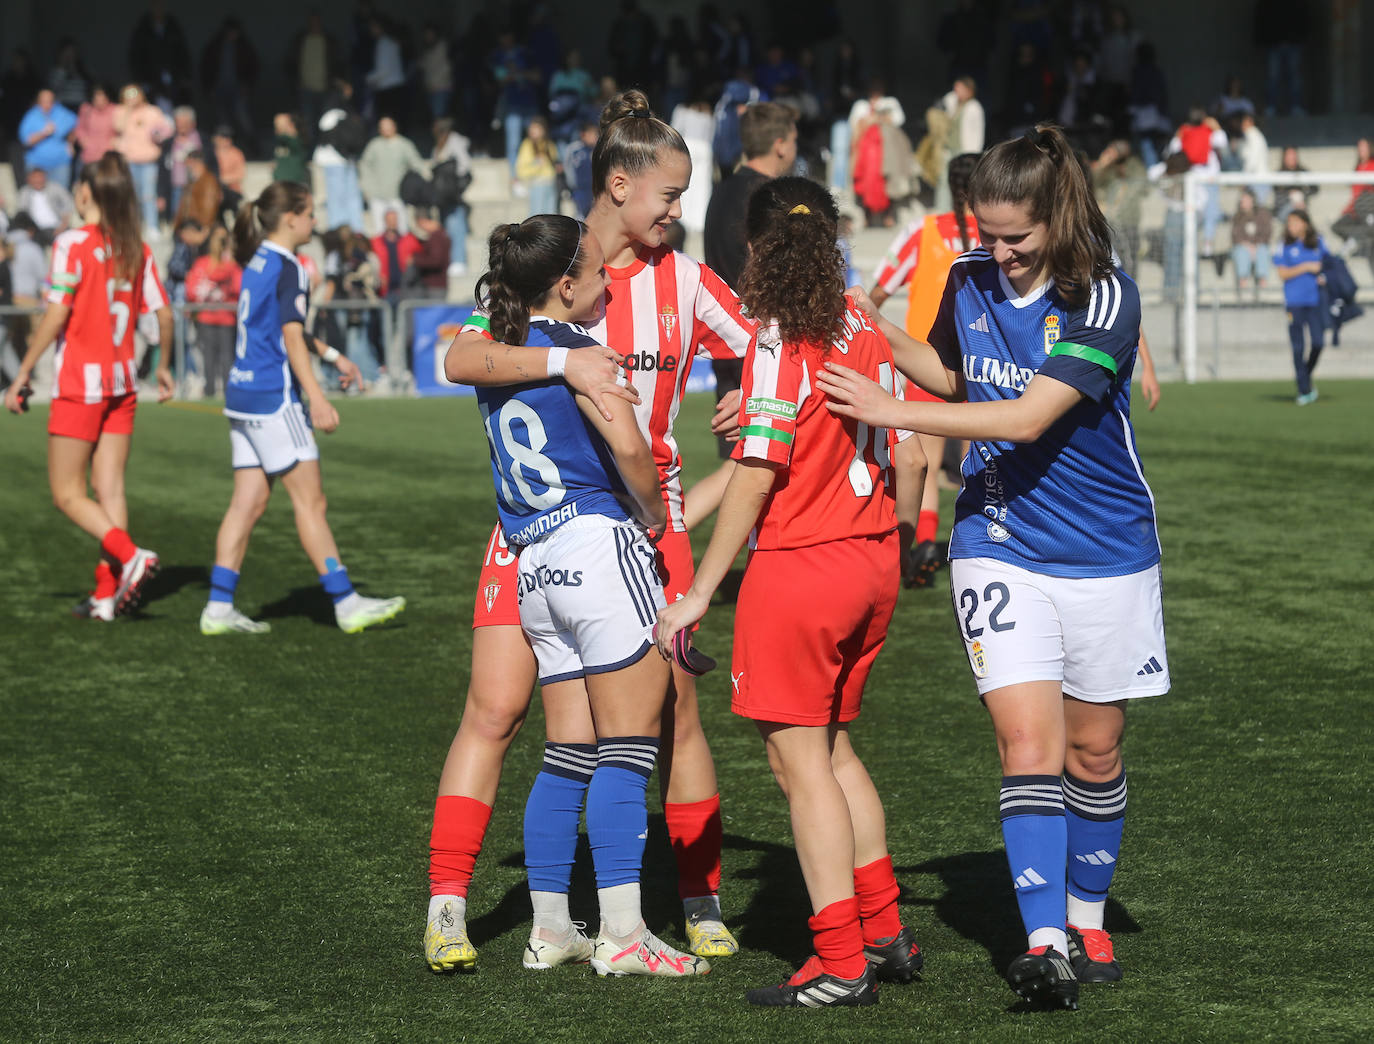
(225, 839)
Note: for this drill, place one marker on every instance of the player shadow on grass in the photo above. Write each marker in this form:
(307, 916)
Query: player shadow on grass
(979, 904)
(168, 581)
(311, 602)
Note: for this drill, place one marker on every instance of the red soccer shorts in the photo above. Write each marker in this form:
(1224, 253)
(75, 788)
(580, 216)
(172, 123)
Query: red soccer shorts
(87, 421)
(498, 602)
(809, 623)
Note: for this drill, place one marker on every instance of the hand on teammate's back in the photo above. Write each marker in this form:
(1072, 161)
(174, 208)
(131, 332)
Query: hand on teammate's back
(725, 422)
(596, 373)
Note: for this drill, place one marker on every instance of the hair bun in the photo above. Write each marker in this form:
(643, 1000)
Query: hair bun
(631, 103)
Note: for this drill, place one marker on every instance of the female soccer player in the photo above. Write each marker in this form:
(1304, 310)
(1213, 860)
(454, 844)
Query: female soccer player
(588, 593)
(816, 492)
(920, 259)
(103, 278)
(1054, 557)
(270, 429)
(661, 308)
(1299, 264)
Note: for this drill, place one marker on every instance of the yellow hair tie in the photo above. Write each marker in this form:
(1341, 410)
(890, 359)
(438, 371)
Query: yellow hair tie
(800, 208)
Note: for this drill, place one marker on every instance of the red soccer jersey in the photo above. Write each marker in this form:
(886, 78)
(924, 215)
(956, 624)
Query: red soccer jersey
(95, 351)
(903, 254)
(661, 312)
(836, 475)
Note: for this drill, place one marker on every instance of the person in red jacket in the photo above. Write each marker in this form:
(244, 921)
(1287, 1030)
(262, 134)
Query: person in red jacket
(394, 250)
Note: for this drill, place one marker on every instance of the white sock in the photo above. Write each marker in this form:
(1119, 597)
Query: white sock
(620, 914)
(1053, 937)
(1084, 915)
(459, 908)
(347, 604)
(219, 609)
(551, 912)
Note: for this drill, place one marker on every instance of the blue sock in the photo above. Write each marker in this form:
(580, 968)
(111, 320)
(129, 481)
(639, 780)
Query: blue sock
(617, 821)
(1036, 838)
(1095, 814)
(552, 813)
(335, 581)
(223, 582)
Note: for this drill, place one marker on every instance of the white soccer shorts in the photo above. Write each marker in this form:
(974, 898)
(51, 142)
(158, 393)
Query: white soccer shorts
(1102, 638)
(589, 596)
(275, 442)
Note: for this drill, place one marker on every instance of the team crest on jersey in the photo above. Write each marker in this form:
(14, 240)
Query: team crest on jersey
(1051, 332)
(490, 590)
(980, 664)
(667, 316)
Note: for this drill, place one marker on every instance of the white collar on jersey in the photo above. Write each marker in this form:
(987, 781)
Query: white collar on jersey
(278, 248)
(1030, 299)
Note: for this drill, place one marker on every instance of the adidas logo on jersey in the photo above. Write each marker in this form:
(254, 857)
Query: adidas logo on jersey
(647, 363)
(1028, 878)
(1152, 667)
(980, 324)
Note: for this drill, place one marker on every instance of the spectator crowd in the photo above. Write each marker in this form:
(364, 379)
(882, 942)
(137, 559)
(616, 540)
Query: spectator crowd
(388, 118)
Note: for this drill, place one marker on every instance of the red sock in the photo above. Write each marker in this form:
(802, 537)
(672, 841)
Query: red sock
(116, 545)
(927, 526)
(460, 823)
(839, 939)
(105, 581)
(695, 832)
(876, 888)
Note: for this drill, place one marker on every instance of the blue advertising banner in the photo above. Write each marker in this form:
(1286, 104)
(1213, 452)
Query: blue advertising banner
(435, 328)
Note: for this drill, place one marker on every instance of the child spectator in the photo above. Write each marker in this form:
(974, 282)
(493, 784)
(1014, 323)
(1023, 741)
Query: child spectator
(537, 167)
(214, 279)
(577, 169)
(1299, 263)
(1251, 230)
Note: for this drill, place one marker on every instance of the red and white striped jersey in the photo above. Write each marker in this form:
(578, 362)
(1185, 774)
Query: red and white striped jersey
(835, 478)
(660, 313)
(95, 350)
(904, 253)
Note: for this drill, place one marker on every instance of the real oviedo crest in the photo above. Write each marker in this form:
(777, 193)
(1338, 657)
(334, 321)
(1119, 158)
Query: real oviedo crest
(1051, 332)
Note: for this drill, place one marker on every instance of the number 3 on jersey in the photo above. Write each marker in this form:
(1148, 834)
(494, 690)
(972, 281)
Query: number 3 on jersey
(519, 459)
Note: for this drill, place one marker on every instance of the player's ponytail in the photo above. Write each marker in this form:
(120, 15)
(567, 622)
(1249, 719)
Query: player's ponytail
(112, 190)
(257, 219)
(1040, 172)
(525, 260)
(632, 139)
(795, 272)
(961, 169)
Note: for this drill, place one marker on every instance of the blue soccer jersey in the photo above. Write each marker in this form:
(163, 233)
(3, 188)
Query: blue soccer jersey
(548, 462)
(1075, 502)
(275, 291)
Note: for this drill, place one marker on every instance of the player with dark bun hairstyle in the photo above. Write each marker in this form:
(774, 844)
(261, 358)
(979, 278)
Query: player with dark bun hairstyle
(661, 310)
